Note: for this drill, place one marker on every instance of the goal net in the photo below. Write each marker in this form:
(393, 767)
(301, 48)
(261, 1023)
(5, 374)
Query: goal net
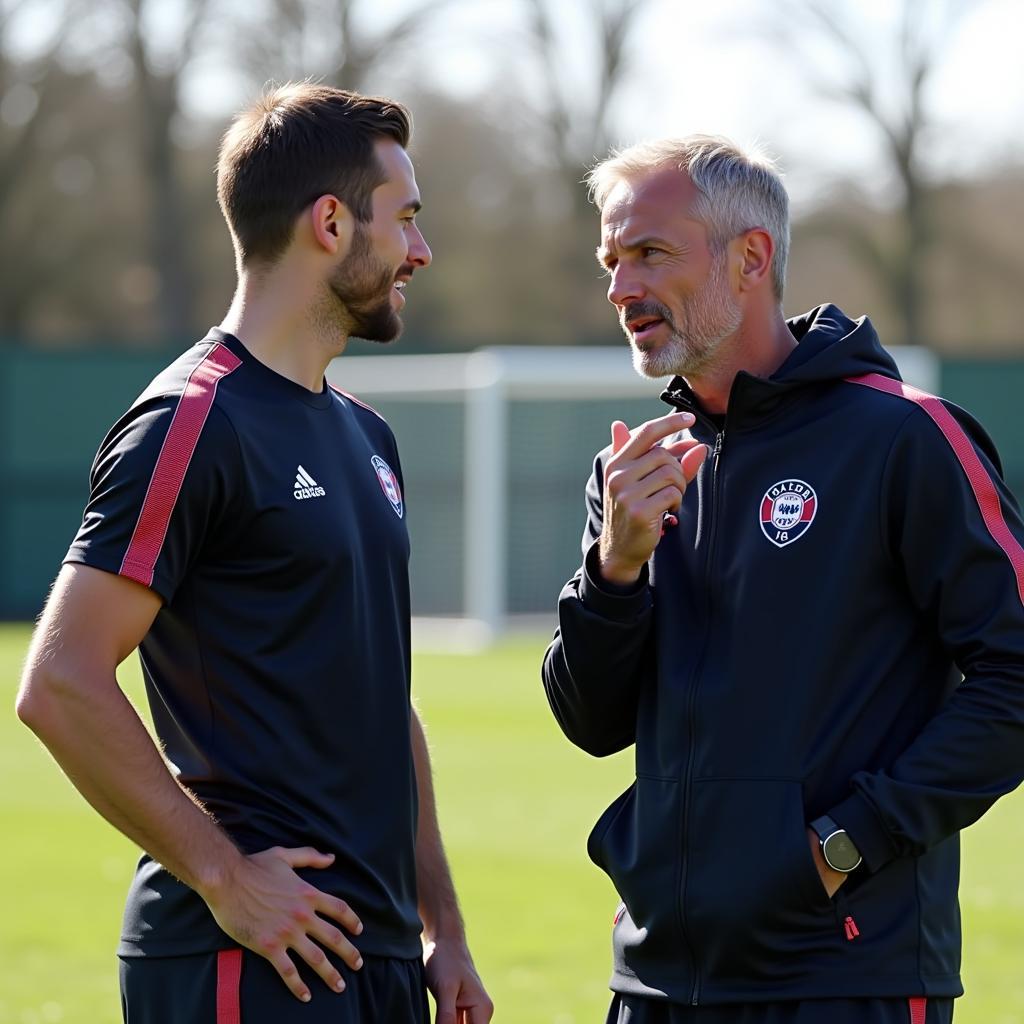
(496, 446)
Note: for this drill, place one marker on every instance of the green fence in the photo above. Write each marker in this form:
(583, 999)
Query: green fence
(56, 406)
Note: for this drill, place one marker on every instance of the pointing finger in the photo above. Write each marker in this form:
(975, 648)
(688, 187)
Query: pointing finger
(649, 434)
(620, 436)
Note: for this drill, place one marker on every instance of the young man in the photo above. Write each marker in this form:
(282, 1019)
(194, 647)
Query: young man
(801, 599)
(246, 531)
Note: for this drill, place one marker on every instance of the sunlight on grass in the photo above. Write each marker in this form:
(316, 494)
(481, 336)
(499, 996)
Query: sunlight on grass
(516, 803)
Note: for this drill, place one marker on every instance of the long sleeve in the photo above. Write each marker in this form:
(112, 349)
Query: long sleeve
(956, 535)
(601, 651)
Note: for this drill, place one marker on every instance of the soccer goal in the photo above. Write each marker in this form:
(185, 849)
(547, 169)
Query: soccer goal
(496, 446)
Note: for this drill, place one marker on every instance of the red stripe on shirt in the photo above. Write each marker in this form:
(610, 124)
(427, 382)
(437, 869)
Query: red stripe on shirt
(172, 463)
(984, 489)
(229, 981)
(352, 398)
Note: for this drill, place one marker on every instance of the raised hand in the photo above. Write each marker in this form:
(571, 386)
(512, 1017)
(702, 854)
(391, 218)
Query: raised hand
(643, 479)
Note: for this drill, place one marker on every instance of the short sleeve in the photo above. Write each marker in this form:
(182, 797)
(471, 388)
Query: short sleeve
(163, 479)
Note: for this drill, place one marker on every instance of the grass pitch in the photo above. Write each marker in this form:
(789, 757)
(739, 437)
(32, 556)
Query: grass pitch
(516, 803)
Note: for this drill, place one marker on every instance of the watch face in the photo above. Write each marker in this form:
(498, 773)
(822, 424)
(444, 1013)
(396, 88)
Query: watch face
(840, 853)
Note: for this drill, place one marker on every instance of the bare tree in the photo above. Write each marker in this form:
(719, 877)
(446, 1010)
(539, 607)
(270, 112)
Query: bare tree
(854, 63)
(578, 126)
(158, 90)
(575, 117)
(29, 91)
(328, 40)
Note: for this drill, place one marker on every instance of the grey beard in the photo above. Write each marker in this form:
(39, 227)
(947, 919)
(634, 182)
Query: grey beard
(710, 316)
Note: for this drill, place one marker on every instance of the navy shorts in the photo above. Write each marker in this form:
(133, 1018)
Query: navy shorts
(636, 1010)
(237, 986)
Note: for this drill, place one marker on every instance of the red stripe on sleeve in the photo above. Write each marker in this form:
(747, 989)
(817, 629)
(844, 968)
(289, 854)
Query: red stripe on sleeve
(229, 981)
(918, 1010)
(984, 489)
(172, 463)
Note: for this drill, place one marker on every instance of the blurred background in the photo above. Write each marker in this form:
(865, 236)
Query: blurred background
(897, 123)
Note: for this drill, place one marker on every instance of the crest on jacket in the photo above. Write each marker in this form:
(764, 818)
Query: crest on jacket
(787, 510)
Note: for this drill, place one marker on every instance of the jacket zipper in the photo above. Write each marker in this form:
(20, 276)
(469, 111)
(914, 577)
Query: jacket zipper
(692, 706)
(844, 917)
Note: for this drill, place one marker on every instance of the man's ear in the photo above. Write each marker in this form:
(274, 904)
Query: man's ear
(755, 251)
(333, 225)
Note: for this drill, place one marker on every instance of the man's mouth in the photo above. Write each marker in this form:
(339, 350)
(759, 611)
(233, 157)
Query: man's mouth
(642, 327)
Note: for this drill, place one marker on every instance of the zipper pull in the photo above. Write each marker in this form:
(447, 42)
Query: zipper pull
(852, 931)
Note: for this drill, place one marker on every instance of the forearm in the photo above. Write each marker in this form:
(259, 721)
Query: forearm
(594, 667)
(97, 738)
(963, 760)
(438, 904)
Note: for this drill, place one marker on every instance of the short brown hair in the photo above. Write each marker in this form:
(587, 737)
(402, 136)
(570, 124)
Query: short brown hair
(298, 142)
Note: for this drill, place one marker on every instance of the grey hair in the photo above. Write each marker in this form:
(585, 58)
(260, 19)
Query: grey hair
(739, 189)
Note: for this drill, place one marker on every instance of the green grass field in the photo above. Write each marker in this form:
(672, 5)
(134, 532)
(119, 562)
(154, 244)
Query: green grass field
(516, 803)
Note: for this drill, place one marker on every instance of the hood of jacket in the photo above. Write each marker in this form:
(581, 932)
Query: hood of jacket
(830, 347)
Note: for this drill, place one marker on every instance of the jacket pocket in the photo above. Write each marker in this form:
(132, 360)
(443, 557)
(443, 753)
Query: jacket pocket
(637, 843)
(754, 903)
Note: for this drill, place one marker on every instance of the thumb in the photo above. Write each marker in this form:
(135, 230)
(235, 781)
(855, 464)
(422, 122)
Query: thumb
(620, 435)
(692, 461)
(306, 857)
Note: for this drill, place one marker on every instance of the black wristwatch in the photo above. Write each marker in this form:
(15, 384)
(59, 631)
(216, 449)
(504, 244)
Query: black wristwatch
(836, 846)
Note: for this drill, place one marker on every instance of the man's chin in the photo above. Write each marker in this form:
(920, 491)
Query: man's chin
(381, 332)
(654, 364)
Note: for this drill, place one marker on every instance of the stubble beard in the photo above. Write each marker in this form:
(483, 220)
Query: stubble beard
(709, 316)
(361, 285)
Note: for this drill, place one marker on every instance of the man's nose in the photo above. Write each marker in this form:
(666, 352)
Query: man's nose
(624, 287)
(419, 252)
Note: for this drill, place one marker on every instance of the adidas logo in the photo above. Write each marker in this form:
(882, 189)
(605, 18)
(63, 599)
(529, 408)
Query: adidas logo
(306, 486)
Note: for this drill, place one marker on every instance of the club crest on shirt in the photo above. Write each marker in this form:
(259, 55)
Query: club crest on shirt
(787, 510)
(388, 484)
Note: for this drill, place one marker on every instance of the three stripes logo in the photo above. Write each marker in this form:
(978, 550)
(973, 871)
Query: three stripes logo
(306, 486)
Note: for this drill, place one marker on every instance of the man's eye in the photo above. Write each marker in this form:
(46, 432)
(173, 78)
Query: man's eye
(649, 250)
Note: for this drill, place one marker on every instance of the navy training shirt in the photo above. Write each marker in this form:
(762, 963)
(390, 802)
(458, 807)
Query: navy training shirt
(271, 522)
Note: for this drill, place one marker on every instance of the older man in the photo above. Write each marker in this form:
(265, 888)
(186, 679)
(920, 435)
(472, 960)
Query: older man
(801, 600)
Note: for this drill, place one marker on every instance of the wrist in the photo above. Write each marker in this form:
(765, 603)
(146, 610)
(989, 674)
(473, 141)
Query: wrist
(446, 928)
(617, 573)
(838, 850)
(214, 876)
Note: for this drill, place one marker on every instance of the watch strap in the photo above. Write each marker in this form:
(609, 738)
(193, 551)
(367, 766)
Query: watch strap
(824, 827)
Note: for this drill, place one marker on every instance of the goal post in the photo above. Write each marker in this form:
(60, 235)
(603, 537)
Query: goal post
(495, 447)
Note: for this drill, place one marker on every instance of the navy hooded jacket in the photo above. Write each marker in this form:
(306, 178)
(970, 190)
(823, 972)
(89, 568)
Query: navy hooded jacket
(836, 626)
